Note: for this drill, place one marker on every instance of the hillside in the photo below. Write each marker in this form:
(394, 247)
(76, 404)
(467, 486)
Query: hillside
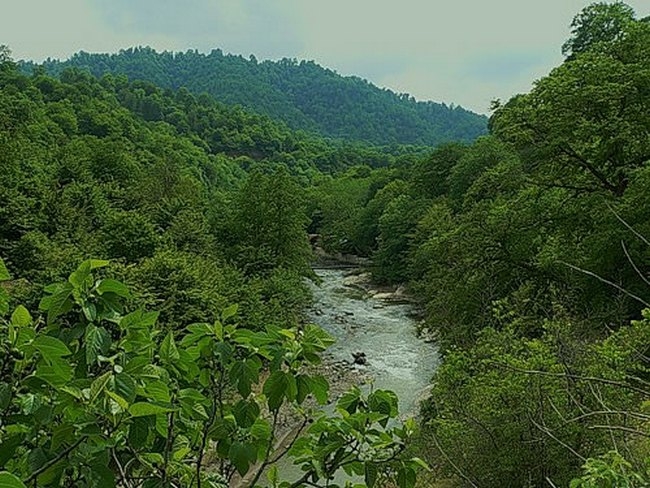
(302, 94)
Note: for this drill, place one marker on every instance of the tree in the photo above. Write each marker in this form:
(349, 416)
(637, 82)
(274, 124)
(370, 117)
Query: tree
(586, 125)
(596, 26)
(93, 396)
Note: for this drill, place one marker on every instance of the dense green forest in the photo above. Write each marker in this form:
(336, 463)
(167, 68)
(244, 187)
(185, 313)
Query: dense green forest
(154, 252)
(302, 94)
(529, 252)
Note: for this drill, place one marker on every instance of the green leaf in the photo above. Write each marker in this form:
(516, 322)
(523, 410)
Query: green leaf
(50, 348)
(168, 350)
(125, 387)
(261, 429)
(4, 272)
(244, 373)
(228, 312)
(57, 304)
(82, 276)
(275, 388)
(320, 389)
(273, 475)
(113, 286)
(158, 391)
(242, 456)
(98, 263)
(98, 386)
(121, 402)
(36, 459)
(97, 341)
(406, 478)
(21, 317)
(370, 474)
(139, 432)
(57, 373)
(8, 480)
(142, 409)
(138, 320)
(5, 395)
(9, 446)
(349, 401)
(246, 412)
(61, 435)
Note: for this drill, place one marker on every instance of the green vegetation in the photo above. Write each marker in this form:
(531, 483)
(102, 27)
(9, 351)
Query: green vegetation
(302, 94)
(93, 396)
(198, 207)
(527, 248)
(529, 253)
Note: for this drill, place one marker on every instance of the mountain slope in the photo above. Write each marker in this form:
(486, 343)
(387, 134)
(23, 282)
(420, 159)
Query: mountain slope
(302, 94)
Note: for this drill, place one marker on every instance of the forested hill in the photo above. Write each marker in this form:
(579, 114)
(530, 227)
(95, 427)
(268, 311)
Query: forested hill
(302, 94)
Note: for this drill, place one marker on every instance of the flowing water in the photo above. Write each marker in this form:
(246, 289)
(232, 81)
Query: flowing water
(397, 359)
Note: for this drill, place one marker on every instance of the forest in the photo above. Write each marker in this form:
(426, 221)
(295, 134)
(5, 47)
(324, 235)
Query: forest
(302, 94)
(154, 260)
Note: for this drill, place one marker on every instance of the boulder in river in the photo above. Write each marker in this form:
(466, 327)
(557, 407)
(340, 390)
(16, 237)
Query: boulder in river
(360, 358)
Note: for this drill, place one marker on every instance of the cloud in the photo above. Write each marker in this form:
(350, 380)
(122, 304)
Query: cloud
(465, 52)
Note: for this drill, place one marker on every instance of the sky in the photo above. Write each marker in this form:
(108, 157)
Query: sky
(465, 52)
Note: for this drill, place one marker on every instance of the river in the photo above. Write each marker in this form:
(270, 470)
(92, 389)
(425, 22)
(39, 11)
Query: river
(385, 331)
(397, 359)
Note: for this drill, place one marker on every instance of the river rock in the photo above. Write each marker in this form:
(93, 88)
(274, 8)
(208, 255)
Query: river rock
(360, 358)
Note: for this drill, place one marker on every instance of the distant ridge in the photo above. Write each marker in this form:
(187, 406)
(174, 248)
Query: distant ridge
(301, 93)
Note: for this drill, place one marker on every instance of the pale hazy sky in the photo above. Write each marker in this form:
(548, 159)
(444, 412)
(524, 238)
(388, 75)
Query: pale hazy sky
(465, 52)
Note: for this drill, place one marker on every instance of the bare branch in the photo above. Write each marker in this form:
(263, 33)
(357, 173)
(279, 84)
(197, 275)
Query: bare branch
(610, 283)
(631, 261)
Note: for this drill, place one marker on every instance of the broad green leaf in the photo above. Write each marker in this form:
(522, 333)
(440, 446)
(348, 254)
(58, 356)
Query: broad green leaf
(244, 374)
(228, 312)
(4, 272)
(218, 330)
(113, 286)
(142, 409)
(125, 387)
(406, 477)
(139, 431)
(8, 480)
(61, 435)
(246, 412)
(36, 459)
(168, 351)
(158, 391)
(82, 277)
(57, 304)
(98, 263)
(21, 317)
(139, 320)
(9, 446)
(57, 373)
(242, 455)
(320, 389)
(121, 402)
(273, 475)
(181, 453)
(102, 476)
(261, 429)
(349, 401)
(98, 386)
(370, 474)
(97, 341)
(275, 388)
(50, 348)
